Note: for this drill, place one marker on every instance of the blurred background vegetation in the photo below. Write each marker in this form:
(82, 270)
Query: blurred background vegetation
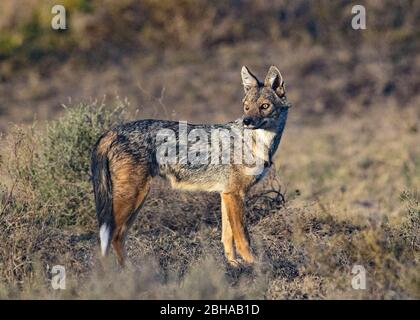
(114, 28)
(163, 54)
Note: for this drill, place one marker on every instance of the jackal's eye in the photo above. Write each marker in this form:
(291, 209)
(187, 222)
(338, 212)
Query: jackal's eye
(265, 106)
(246, 107)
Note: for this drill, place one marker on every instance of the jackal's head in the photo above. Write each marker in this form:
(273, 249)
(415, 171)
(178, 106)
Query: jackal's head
(264, 103)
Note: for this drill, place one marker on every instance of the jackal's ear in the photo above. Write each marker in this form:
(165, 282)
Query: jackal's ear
(248, 79)
(275, 81)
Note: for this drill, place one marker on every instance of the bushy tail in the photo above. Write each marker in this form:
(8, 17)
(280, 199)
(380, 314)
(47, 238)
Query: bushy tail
(102, 187)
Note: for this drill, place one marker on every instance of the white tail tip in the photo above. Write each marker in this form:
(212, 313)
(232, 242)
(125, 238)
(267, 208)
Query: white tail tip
(104, 237)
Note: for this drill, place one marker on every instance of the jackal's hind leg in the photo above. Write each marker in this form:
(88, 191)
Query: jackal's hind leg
(130, 188)
(126, 210)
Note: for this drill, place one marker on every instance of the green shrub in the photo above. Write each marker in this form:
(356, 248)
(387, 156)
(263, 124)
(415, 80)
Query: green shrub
(50, 168)
(45, 191)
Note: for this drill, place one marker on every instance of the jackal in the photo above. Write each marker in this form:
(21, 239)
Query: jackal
(127, 157)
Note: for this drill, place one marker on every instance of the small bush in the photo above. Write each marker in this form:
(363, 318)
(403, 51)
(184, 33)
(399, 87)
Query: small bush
(411, 227)
(46, 185)
(51, 166)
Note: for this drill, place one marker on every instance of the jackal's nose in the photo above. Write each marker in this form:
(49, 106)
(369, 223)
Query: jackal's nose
(247, 121)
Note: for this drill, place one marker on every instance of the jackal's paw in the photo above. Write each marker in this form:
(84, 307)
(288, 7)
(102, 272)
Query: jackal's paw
(249, 259)
(246, 256)
(234, 263)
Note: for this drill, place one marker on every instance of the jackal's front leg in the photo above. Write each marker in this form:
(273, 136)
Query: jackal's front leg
(234, 205)
(227, 236)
